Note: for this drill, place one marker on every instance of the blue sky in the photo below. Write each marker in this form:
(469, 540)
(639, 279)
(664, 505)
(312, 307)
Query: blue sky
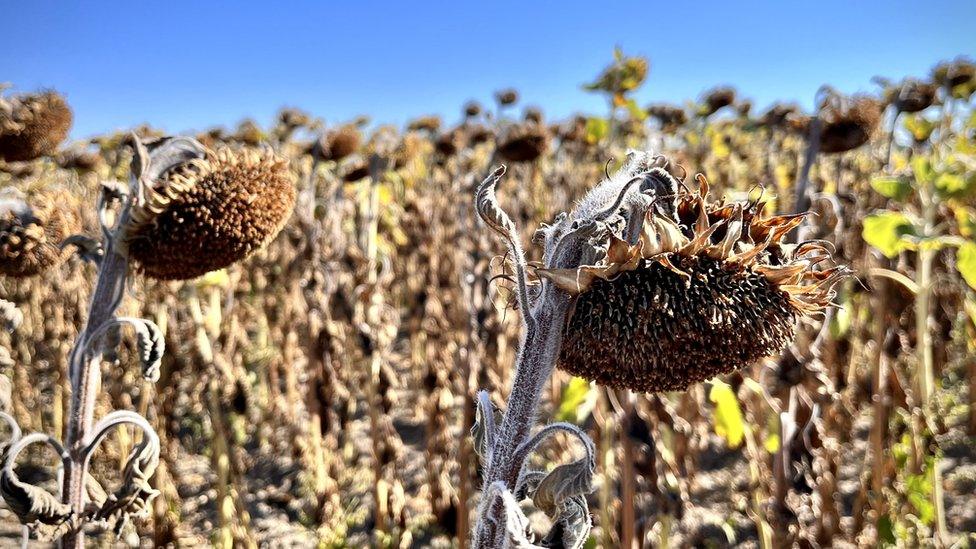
(191, 65)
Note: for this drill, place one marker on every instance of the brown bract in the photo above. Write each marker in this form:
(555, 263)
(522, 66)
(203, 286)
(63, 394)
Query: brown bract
(33, 126)
(208, 214)
(701, 293)
(30, 234)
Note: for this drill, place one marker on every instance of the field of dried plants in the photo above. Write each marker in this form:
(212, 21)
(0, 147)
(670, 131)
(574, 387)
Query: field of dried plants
(319, 386)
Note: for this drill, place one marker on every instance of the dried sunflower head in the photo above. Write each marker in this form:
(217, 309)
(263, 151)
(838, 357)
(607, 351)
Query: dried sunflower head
(847, 122)
(31, 231)
(33, 126)
(338, 144)
(524, 142)
(207, 213)
(249, 133)
(716, 99)
(472, 109)
(777, 116)
(508, 96)
(430, 124)
(911, 95)
(450, 142)
(670, 116)
(959, 76)
(673, 288)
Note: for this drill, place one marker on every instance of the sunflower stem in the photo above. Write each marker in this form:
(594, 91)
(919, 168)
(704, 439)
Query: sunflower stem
(534, 366)
(85, 375)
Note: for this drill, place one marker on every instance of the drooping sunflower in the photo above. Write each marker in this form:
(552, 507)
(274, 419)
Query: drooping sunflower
(678, 287)
(524, 142)
(31, 230)
(847, 122)
(209, 213)
(717, 98)
(32, 126)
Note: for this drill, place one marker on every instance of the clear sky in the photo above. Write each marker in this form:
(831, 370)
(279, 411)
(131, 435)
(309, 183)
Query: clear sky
(190, 65)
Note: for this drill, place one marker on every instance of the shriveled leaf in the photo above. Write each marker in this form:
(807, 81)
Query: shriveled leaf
(571, 527)
(486, 421)
(33, 505)
(151, 346)
(565, 481)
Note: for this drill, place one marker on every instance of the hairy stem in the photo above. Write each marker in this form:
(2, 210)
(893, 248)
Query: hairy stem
(85, 375)
(536, 360)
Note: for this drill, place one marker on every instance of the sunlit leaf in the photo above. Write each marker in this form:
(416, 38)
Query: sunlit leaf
(886, 231)
(841, 322)
(596, 129)
(577, 401)
(772, 443)
(922, 168)
(897, 188)
(636, 112)
(965, 220)
(920, 127)
(728, 415)
(919, 489)
(966, 263)
(954, 185)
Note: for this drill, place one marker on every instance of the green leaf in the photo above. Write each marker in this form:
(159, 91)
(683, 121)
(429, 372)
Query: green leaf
(596, 129)
(922, 168)
(886, 231)
(841, 322)
(577, 401)
(966, 263)
(886, 531)
(728, 415)
(897, 188)
(954, 185)
(965, 220)
(636, 112)
(919, 489)
(920, 127)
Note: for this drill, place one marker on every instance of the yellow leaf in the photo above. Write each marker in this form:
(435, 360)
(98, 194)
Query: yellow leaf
(728, 415)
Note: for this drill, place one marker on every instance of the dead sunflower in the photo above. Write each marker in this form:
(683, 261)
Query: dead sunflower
(673, 288)
(847, 122)
(33, 126)
(671, 117)
(524, 143)
(716, 99)
(208, 213)
(910, 96)
(951, 74)
(430, 124)
(472, 109)
(337, 144)
(31, 233)
(508, 96)
(777, 116)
